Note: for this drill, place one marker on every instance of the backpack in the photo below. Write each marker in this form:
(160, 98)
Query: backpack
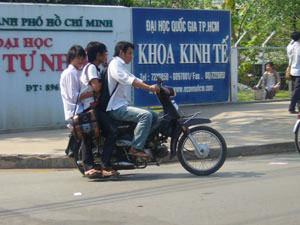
(104, 95)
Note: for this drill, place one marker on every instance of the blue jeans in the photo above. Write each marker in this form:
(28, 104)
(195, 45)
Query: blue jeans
(145, 119)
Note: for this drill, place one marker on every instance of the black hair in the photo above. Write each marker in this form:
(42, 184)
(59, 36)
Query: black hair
(93, 48)
(295, 36)
(269, 63)
(122, 46)
(75, 51)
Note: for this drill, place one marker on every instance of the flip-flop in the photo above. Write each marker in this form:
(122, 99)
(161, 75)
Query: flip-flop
(95, 174)
(106, 173)
(113, 172)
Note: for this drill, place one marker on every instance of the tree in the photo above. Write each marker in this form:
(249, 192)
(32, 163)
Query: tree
(260, 17)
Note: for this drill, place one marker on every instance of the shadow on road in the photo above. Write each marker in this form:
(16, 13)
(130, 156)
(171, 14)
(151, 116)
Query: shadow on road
(147, 176)
(237, 174)
(164, 176)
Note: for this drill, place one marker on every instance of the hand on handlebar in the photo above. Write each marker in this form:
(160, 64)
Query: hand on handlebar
(154, 88)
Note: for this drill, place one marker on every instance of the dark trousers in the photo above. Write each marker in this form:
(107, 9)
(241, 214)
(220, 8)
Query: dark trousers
(296, 93)
(87, 154)
(270, 94)
(109, 131)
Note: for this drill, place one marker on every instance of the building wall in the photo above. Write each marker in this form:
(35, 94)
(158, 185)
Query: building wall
(34, 39)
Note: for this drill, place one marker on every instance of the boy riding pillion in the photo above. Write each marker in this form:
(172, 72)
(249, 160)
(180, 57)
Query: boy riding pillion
(91, 84)
(70, 81)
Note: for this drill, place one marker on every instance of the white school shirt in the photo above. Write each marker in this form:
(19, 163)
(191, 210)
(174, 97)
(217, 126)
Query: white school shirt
(118, 73)
(89, 72)
(293, 51)
(69, 89)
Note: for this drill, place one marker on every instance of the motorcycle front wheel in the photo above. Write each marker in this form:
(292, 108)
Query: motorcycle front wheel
(203, 151)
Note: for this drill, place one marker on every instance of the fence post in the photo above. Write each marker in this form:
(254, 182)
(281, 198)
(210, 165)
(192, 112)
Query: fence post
(234, 70)
(234, 74)
(290, 85)
(263, 50)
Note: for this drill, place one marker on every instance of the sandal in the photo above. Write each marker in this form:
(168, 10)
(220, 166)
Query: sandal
(94, 174)
(114, 172)
(136, 153)
(106, 173)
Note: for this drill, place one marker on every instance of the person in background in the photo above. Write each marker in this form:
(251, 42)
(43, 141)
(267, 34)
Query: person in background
(293, 52)
(269, 81)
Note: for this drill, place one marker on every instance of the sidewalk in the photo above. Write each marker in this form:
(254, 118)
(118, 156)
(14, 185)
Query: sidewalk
(249, 129)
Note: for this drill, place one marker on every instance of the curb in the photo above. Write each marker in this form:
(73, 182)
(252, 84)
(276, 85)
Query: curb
(34, 162)
(56, 162)
(252, 150)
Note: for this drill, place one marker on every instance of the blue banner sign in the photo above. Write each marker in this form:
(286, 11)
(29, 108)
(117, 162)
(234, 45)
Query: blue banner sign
(188, 49)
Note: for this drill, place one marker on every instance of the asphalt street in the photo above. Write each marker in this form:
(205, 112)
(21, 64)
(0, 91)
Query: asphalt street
(261, 190)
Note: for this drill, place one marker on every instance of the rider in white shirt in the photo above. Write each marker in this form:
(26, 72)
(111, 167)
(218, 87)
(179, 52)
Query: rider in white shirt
(70, 83)
(89, 73)
(91, 84)
(119, 81)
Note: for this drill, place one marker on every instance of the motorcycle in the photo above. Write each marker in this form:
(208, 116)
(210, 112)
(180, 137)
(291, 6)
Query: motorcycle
(297, 133)
(200, 149)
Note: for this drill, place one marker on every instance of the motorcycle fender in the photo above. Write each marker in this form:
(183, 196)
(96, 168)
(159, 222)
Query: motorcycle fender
(296, 126)
(178, 131)
(174, 140)
(196, 121)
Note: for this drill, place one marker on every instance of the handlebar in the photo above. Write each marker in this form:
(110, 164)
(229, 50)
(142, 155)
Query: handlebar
(159, 80)
(164, 90)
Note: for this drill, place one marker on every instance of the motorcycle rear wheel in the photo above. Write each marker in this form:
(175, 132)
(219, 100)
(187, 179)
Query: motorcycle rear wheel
(210, 155)
(78, 158)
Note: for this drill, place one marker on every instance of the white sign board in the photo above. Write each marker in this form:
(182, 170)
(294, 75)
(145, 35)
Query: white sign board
(34, 40)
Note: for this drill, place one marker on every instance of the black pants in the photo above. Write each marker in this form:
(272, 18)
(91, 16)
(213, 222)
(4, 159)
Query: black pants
(87, 154)
(109, 131)
(270, 94)
(296, 93)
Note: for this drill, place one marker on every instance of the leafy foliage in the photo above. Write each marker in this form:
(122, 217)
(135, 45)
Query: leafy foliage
(260, 17)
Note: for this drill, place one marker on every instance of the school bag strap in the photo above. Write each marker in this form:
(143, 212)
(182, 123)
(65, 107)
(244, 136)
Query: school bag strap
(105, 95)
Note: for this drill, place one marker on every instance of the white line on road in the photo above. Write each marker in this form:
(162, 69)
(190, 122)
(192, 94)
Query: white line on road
(278, 163)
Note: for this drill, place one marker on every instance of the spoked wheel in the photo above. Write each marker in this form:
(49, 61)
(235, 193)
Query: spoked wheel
(297, 133)
(203, 151)
(78, 158)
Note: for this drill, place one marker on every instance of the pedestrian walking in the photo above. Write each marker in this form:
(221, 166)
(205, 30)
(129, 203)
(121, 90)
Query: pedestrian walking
(293, 52)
